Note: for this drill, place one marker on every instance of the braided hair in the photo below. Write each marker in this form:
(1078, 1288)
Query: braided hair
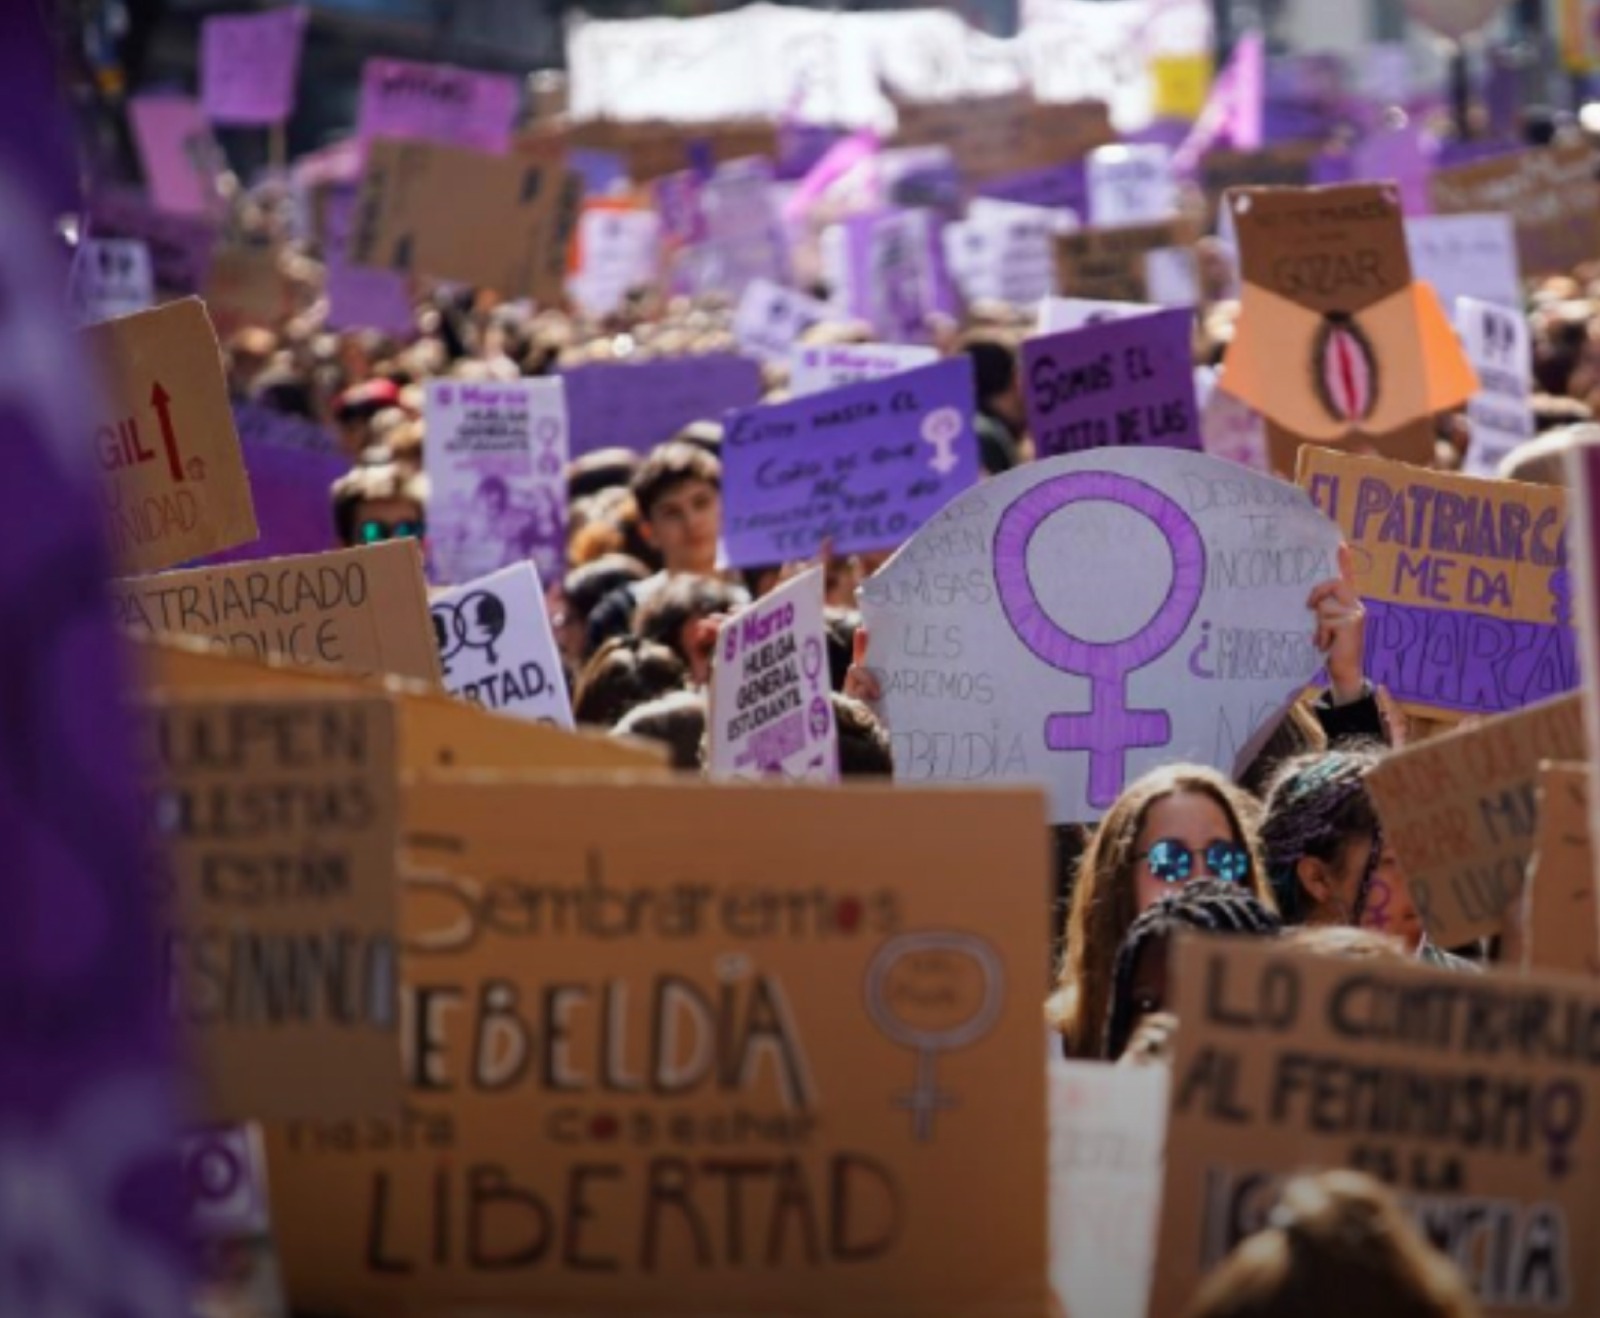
(1208, 905)
(1318, 806)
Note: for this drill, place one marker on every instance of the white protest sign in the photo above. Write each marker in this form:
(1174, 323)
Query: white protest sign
(1233, 431)
(1005, 257)
(770, 319)
(1466, 256)
(1131, 185)
(1170, 277)
(1107, 1128)
(497, 649)
(497, 461)
(621, 251)
(816, 368)
(110, 277)
(771, 716)
(1079, 621)
(1498, 415)
(1070, 313)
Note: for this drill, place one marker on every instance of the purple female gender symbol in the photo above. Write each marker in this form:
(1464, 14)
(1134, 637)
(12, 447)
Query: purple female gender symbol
(1110, 729)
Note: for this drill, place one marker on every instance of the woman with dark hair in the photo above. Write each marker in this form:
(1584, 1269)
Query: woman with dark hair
(625, 673)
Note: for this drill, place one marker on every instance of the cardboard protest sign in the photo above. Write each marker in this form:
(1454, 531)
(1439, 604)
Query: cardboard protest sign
(818, 367)
(1459, 811)
(1464, 582)
(1177, 632)
(992, 136)
(1550, 194)
(356, 611)
(654, 148)
(1466, 256)
(249, 64)
(1289, 1063)
(638, 405)
(409, 101)
(279, 820)
(861, 466)
(497, 462)
(497, 648)
(180, 245)
(246, 286)
(1107, 1128)
(174, 479)
(770, 712)
(598, 1031)
(1499, 415)
(1560, 924)
(1128, 383)
(770, 319)
(1328, 288)
(489, 221)
(1131, 263)
(181, 159)
(1131, 185)
(110, 277)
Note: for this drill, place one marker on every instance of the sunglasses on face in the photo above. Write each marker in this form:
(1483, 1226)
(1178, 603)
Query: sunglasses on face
(373, 532)
(1171, 861)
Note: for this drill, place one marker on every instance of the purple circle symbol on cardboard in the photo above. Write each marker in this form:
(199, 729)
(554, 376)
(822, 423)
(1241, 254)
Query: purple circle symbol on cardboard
(1110, 729)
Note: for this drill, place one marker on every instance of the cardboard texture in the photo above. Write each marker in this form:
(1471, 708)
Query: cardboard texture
(1111, 264)
(620, 1025)
(1550, 194)
(992, 136)
(173, 474)
(1465, 582)
(1283, 165)
(354, 611)
(1335, 343)
(1460, 811)
(279, 820)
(1426, 1078)
(489, 221)
(996, 664)
(1561, 928)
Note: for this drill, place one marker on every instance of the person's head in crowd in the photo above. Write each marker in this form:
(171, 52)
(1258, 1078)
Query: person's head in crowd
(401, 443)
(683, 615)
(1139, 974)
(285, 390)
(704, 435)
(1342, 940)
(379, 502)
(864, 747)
(678, 489)
(583, 588)
(1551, 412)
(607, 522)
(355, 408)
(1178, 823)
(249, 353)
(623, 674)
(839, 630)
(1001, 418)
(1337, 1243)
(677, 720)
(603, 469)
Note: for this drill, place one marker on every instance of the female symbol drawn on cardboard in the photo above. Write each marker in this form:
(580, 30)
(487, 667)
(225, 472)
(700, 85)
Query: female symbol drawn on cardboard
(1110, 728)
(934, 991)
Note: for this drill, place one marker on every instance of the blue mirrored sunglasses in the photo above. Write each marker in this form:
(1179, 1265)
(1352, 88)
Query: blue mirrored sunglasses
(1173, 862)
(373, 532)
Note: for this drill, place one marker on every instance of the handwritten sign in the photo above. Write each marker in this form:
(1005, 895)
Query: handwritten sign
(174, 478)
(819, 367)
(1550, 194)
(862, 466)
(1128, 383)
(1289, 1063)
(1130, 263)
(770, 319)
(1561, 928)
(1464, 581)
(497, 461)
(497, 648)
(638, 405)
(770, 712)
(1499, 416)
(1460, 811)
(1466, 256)
(110, 277)
(436, 103)
(865, 1036)
(996, 664)
(279, 821)
(246, 286)
(181, 159)
(1131, 185)
(248, 65)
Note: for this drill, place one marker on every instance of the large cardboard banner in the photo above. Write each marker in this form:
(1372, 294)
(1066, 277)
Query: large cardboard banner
(355, 611)
(1461, 812)
(279, 820)
(1550, 194)
(1130, 263)
(652, 1077)
(861, 466)
(174, 478)
(1560, 919)
(639, 405)
(1469, 605)
(1083, 619)
(1476, 1096)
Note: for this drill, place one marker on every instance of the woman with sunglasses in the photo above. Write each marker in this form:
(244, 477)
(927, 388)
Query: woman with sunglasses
(1177, 823)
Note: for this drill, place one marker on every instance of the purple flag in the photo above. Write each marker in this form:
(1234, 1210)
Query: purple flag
(641, 405)
(1233, 112)
(94, 1223)
(436, 103)
(862, 466)
(1124, 383)
(249, 64)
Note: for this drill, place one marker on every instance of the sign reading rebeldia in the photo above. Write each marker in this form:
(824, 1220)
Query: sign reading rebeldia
(173, 474)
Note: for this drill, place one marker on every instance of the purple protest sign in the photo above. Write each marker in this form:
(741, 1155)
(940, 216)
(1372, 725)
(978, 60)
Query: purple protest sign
(436, 103)
(862, 466)
(1060, 187)
(180, 156)
(88, 1064)
(893, 273)
(639, 405)
(180, 245)
(1123, 383)
(1402, 154)
(360, 297)
(249, 64)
